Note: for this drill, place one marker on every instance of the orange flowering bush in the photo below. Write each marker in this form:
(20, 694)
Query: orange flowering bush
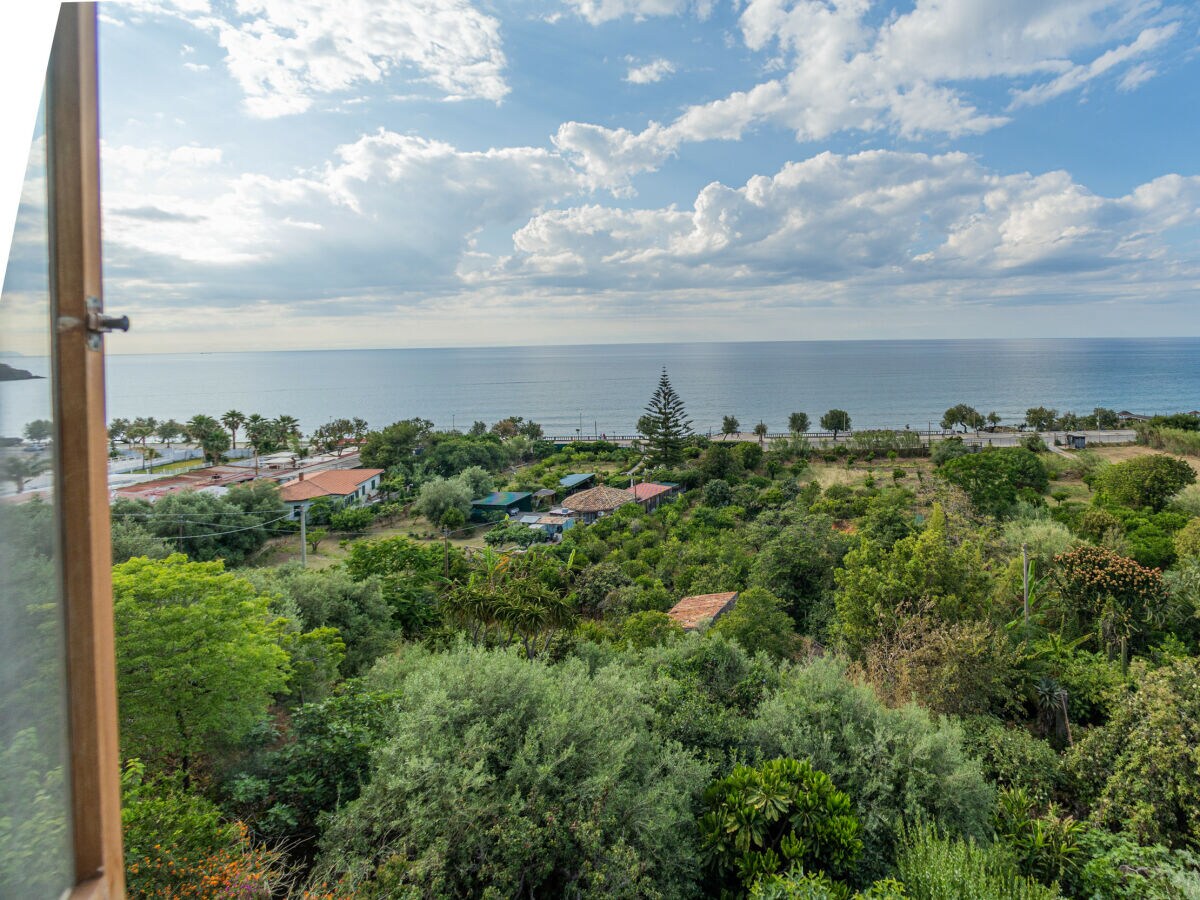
(178, 846)
(1109, 594)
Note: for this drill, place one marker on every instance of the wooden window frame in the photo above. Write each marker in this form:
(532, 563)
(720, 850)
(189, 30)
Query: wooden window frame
(81, 459)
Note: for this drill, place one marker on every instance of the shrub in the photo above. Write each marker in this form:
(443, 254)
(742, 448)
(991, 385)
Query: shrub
(945, 450)
(649, 629)
(1095, 523)
(1117, 868)
(759, 623)
(1046, 845)
(782, 814)
(1144, 481)
(1011, 757)
(352, 519)
(957, 668)
(717, 493)
(1187, 540)
(818, 886)
(1034, 443)
(995, 478)
(1107, 592)
(894, 763)
(178, 845)
(933, 866)
(503, 776)
(1143, 767)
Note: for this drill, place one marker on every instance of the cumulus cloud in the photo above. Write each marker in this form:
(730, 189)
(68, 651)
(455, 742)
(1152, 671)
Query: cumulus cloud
(648, 73)
(286, 53)
(910, 74)
(878, 216)
(386, 209)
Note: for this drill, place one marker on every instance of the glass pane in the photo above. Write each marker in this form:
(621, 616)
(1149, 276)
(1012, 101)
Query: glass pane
(35, 837)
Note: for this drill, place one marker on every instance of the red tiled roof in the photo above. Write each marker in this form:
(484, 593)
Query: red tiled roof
(691, 611)
(598, 499)
(332, 482)
(648, 490)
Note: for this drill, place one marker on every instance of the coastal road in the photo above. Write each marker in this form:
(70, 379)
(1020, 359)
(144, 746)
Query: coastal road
(986, 438)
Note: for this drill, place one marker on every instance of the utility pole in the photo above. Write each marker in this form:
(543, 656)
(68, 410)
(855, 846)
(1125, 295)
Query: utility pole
(303, 535)
(1025, 580)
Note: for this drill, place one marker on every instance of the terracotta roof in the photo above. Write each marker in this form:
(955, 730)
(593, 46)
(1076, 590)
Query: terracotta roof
(553, 520)
(648, 490)
(691, 611)
(598, 499)
(330, 483)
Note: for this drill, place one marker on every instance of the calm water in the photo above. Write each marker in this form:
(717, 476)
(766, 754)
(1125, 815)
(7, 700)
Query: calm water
(604, 388)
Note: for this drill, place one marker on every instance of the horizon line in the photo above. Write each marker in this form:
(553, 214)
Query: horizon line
(944, 340)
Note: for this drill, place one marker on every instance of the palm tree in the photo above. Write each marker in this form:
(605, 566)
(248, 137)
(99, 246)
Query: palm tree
(20, 469)
(289, 424)
(140, 431)
(233, 420)
(761, 430)
(264, 435)
(198, 425)
(1052, 710)
(729, 425)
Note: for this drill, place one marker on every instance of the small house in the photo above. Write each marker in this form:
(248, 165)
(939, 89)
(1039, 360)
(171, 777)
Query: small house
(554, 525)
(345, 487)
(692, 612)
(1075, 441)
(651, 494)
(506, 503)
(595, 502)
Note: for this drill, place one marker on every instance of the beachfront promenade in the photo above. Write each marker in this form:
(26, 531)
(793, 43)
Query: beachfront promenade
(825, 438)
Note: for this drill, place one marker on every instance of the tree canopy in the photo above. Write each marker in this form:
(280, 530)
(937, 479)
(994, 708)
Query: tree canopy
(198, 658)
(665, 425)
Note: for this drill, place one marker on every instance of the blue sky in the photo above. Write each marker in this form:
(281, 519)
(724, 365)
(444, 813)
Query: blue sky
(295, 174)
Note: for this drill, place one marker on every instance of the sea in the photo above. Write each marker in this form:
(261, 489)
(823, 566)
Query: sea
(603, 389)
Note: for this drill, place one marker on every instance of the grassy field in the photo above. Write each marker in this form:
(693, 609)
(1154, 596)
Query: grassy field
(1130, 451)
(827, 474)
(286, 548)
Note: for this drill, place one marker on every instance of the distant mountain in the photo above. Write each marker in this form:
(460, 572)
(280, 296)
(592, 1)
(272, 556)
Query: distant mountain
(8, 373)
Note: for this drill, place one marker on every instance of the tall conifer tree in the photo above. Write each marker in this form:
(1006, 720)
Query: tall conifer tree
(665, 424)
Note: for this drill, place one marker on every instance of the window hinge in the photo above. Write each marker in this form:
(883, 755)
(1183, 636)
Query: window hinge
(99, 324)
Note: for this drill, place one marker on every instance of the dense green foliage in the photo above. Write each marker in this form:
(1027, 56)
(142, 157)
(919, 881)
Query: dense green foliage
(766, 820)
(1144, 481)
(935, 867)
(996, 477)
(894, 763)
(893, 706)
(198, 658)
(503, 776)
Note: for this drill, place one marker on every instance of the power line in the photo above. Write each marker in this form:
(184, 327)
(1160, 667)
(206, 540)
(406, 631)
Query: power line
(211, 534)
